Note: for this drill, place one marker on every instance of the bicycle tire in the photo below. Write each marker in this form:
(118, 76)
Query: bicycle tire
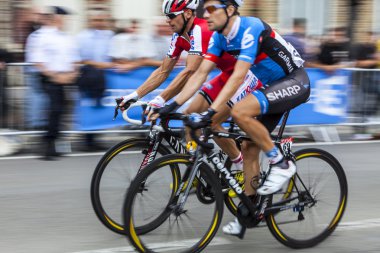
(131, 201)
(282, 230)
(104, 216)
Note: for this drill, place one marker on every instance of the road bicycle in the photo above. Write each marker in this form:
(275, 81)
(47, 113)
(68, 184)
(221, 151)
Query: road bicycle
(304, 213)
(121, 163)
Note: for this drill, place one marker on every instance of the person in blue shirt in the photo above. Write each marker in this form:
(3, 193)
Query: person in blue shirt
(94, 45)
(297, 37)
(257, 47)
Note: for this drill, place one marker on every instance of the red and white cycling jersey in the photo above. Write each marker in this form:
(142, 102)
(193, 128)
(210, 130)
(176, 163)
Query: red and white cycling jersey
(199, 35)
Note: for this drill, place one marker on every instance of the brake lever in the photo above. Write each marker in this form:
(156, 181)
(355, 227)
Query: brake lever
(143, 118)
(125, 106)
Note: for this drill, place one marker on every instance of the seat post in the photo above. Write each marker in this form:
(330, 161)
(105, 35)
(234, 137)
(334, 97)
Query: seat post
(283, 124)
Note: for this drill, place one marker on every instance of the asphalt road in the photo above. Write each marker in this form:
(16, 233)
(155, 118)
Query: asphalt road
(45, 208)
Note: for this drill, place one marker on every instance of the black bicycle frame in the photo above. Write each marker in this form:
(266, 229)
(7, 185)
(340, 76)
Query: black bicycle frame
(229, 178)
(155, 140)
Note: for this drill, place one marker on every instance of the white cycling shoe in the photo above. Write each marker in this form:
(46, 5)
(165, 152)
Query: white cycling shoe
(234, 228)
(279, 174)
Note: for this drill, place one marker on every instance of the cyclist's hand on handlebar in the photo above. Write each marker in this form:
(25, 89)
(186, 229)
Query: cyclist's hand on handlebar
(164, 111)
(201, 120)
(127, 100)
(157, 102)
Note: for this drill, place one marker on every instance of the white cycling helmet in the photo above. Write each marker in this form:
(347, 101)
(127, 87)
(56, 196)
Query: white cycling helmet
(238, 3)
(176, 6)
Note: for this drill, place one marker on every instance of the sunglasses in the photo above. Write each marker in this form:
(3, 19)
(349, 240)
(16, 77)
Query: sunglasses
(211, 8)
(173, 15)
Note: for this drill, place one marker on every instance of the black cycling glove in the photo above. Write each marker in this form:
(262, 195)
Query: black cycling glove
(201, 120)
(164, 111)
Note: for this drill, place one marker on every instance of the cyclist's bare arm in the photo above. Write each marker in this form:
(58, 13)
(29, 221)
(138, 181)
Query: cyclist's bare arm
(138, 63)
(150, 62)
(237, 78)
(192, 64)
(157, 77)
(195, 82)
(99, 65)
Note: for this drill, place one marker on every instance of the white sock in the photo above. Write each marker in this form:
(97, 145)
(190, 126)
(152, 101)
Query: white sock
(238, 162)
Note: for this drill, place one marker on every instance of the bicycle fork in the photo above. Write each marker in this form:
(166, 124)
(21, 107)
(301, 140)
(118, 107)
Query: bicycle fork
(187, 184)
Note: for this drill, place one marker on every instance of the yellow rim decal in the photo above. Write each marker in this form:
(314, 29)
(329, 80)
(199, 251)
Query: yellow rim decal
(112, 223)
(339, 214)
(276, 228)
(175, 182)
(134, 236)
(289, 189)
(306, 155)
(211, 230)
(233, 204)
(117, 151)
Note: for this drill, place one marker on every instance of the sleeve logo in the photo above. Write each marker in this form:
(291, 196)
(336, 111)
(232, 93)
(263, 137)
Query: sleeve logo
(248, 39)
(211, 43)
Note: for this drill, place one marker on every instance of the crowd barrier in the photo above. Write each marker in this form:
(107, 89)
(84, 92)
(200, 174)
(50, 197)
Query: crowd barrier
(346, 97)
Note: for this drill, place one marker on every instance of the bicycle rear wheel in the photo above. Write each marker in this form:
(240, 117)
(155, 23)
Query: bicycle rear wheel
(317, 197)
(181, 230)
(112, 177)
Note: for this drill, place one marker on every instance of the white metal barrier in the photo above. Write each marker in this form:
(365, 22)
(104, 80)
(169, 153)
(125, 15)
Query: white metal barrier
(22, 85)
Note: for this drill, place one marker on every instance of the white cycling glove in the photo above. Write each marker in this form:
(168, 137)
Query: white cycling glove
(132, 96)
(157, 102)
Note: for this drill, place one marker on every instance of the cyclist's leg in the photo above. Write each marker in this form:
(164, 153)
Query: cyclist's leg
(251, 152)
(250, 83)
(244, 113)
(280, 96)
(202, 102)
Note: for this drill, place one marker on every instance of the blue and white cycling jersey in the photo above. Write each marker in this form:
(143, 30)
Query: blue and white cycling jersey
(254, 41)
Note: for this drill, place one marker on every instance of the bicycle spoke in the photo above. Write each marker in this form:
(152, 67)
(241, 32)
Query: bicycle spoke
(192, 223)
(317, 190)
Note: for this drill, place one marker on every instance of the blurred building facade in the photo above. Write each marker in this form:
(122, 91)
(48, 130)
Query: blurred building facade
(320, 15)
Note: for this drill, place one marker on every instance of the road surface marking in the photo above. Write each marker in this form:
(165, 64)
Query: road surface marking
(161, 247)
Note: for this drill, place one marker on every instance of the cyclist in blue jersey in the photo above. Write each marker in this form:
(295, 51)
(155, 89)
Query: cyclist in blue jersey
(260, 49)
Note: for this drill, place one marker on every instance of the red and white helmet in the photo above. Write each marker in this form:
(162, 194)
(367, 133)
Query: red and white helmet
(178, 6)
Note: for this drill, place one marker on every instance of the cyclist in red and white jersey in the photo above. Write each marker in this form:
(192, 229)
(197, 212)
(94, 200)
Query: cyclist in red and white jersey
(192, 34)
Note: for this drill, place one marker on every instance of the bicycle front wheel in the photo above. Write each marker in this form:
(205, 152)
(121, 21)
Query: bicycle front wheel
(316, 199)
(112, 177)
(187, 228)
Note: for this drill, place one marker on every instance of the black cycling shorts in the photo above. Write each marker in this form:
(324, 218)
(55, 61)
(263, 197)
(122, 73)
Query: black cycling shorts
(284, 94)
(281, 96)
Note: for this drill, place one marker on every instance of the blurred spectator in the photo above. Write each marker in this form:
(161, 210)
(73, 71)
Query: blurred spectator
(4, 58)
(334, 52)
(378, 50)
(133, 49)
(365, 53)
(37, 99)
(297, 37)
(54, 54)
(368, 83)
(161, 38)
(36, 20)
(113, 25)
(94, 44)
